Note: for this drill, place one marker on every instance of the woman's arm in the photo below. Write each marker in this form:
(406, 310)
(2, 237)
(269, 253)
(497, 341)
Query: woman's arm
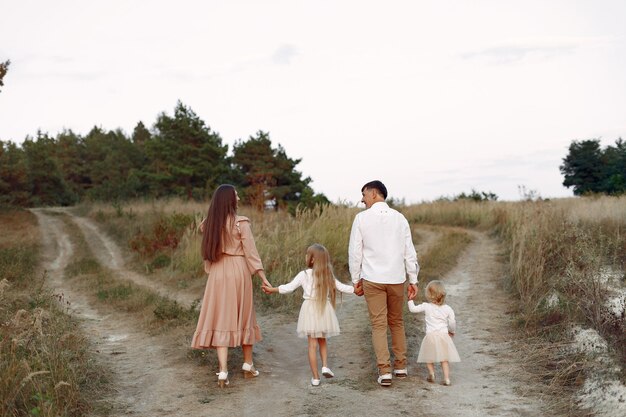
(261, 274)
(249, 249)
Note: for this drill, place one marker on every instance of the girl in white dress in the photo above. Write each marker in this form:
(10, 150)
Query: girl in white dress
(437, 345)
(317, 319)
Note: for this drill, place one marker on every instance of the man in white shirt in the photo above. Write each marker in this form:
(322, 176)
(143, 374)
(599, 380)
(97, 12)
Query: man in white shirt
(381, 255)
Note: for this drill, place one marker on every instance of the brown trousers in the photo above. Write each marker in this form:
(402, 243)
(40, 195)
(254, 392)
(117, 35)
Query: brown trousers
(385, 304)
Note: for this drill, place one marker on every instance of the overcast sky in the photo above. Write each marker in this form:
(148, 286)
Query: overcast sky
(432, 97)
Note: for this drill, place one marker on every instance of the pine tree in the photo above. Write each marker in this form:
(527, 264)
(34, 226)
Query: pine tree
(270, 176)
(14, 187)
(186, 157)
(45, 181)
(583, 167)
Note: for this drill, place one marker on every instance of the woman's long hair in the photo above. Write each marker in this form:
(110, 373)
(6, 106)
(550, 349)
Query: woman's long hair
(317, 257)
(222, 212)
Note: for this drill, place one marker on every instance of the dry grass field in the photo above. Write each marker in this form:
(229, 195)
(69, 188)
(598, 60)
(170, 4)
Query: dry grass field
(563, 262)
(45, 364)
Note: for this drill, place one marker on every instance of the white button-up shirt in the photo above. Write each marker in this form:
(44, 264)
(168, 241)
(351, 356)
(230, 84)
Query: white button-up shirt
(381, 248)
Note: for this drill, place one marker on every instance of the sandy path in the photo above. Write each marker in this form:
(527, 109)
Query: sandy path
(153, 376)
(427, 236)
(149, 374)
(108, 253)
(484, 383)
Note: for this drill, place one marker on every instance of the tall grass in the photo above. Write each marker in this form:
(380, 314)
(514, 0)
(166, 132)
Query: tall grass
(46, 368)
(462, 213)
(157, 312)
(282, 241)
(442, 256)
(556, 251)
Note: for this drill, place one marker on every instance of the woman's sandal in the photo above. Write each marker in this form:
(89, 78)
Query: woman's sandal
(249, 371)
(431, 378)
(446, 382)
(222, 379)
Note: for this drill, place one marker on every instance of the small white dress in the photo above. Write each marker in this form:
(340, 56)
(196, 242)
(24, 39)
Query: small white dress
(437, 345)
(311, 321)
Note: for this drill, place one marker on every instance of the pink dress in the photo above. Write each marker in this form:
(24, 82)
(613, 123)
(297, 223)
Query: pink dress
(227, 316)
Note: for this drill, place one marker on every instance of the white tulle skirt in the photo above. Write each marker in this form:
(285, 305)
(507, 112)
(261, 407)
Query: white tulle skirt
(438, 347)
(315, 323)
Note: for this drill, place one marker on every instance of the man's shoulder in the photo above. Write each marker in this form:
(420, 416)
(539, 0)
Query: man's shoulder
(379, 210)
(395, 213)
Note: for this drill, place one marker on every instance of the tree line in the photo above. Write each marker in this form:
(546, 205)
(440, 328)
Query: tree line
(179, 156)
(590, 169)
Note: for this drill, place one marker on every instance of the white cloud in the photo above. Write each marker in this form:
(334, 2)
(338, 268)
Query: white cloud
(284, 54)
(517, 50)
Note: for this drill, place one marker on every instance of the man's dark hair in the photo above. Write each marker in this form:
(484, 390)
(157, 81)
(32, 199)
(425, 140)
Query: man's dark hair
(378, 186)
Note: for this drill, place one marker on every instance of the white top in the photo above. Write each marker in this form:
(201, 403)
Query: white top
(381, 248)
(305, 280)
(438, 318)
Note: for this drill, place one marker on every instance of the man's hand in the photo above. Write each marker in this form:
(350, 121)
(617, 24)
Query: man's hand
(358, 288)
(412, 291)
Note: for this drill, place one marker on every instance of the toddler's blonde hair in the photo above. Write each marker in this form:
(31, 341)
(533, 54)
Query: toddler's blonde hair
(435, 292)
(318, 258)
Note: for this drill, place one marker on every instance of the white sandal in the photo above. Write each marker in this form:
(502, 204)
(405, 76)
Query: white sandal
(249, 371)
(222, 378)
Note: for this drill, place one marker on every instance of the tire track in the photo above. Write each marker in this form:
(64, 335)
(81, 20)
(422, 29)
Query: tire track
(154, 378)
(151, 377)
(108, 253)
(489, 380)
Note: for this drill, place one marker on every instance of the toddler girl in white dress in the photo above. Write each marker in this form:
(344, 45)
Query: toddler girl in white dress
(437, 345)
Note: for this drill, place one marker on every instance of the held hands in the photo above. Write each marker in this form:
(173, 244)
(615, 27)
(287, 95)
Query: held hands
(412, 291)
(358, 288)
(268, 289)
(266, 286)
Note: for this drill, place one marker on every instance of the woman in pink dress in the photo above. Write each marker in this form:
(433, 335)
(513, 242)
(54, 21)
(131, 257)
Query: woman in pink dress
(227, 317)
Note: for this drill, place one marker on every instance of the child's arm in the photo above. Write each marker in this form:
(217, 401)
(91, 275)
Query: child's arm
(348, 289)
(286, 288)
(451, 322)
(416, 308)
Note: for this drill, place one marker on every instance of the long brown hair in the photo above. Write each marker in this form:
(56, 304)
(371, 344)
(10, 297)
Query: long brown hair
(222, 211)
(318, 258)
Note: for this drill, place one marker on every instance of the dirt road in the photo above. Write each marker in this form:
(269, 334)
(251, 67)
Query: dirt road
(154, 377)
